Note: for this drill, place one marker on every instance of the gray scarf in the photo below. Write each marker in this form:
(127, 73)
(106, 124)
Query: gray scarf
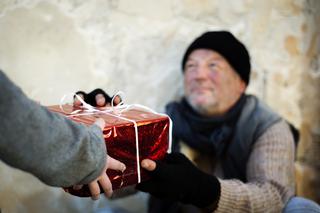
(228, 138)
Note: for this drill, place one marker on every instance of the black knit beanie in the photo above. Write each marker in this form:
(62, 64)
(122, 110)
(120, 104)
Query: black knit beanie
(228, 46)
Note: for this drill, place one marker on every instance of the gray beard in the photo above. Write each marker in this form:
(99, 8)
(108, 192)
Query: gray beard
(201, 109)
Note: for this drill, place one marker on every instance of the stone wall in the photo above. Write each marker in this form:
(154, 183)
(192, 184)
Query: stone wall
(52, 47)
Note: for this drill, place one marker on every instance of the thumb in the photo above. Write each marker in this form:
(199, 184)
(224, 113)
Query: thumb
(148, 164)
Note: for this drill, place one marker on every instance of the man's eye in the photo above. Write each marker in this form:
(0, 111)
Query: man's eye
(190, 65)
(212, 65)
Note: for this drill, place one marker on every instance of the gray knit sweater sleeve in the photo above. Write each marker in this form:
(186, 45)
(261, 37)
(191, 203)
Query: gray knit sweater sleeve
(55, 149)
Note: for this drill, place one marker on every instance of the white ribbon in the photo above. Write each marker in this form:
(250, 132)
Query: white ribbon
(117, 110)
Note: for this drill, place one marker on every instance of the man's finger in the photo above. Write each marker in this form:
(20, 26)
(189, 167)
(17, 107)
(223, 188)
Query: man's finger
(106, 185)
(94, 190)
(116, 100)
(76, 101)
(100, 100)
(148, 164)
(156, 169)
(115, 164)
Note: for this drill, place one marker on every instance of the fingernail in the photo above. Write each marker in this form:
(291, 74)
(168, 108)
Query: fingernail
(95, 197)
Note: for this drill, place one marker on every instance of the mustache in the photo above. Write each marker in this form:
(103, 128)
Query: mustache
(195, 88)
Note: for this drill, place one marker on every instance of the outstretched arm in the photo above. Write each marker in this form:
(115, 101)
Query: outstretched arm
(55, 149)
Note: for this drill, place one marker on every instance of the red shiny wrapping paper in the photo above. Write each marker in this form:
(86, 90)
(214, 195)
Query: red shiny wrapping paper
(119, 135)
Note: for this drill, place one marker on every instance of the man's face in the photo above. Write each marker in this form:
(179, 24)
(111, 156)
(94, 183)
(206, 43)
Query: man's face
(211, 85)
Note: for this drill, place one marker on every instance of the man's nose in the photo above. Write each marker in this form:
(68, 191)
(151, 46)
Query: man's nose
(201, 72)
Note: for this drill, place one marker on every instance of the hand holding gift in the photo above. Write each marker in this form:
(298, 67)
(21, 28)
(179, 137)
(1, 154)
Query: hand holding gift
(96, 98)
(177, 179)
(103, 180)
(99, 98)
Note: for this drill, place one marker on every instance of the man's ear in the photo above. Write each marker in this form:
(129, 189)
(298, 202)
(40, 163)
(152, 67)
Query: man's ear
(243, 86)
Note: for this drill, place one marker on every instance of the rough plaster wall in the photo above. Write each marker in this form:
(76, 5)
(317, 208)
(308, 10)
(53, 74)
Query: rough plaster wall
(53, 47)
(309, 104)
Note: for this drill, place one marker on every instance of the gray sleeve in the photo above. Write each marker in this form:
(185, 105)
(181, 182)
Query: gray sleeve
(55, 149)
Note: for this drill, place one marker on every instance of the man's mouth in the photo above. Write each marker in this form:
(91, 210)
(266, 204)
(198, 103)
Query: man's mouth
(200, 89)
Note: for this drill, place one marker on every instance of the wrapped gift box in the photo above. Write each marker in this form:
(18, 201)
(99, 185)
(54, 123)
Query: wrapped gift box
(120, 138)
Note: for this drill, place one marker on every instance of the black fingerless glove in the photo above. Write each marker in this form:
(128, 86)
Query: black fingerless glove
(81, 93)
(91, 97)
(177, 179)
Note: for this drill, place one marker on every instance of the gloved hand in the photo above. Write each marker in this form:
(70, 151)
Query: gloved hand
(96, 98)
(177, 179)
